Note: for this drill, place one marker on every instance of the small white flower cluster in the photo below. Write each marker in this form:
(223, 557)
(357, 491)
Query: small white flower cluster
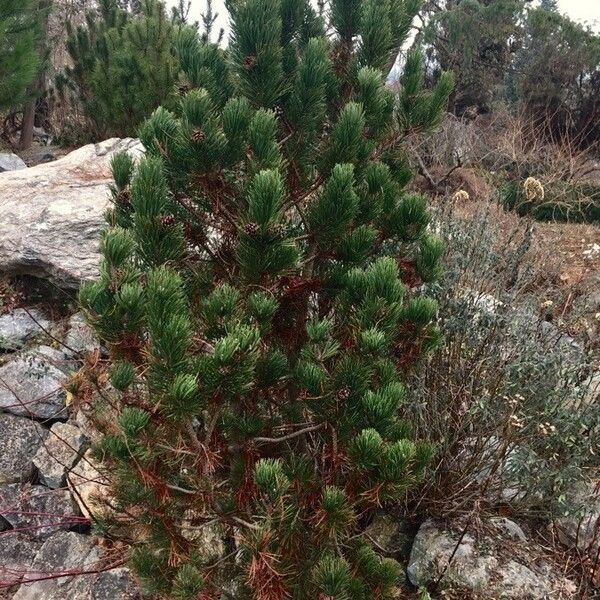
(546, 428)
(516, 422)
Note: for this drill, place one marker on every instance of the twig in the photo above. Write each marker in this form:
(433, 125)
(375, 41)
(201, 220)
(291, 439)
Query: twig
(289, 436)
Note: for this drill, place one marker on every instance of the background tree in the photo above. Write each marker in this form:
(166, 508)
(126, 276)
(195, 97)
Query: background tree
(557, 75)
(19, 57)
(261, 295)
(476, 39)
(38, 87)
(124, 66)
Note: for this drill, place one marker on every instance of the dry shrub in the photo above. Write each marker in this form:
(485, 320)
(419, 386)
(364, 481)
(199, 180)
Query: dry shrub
(448, 182)
(507, 400)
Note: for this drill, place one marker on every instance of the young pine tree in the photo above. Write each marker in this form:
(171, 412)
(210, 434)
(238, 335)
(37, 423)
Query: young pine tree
(123, 65)
(260, 298)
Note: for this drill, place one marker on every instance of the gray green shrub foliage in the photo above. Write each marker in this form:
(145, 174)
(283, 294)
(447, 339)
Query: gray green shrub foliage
(259, 296)
(568, 201)
(508, 402)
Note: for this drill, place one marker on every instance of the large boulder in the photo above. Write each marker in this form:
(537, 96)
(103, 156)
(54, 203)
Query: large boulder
(51, 215)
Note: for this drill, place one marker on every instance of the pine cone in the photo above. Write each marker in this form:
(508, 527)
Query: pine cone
(343, 394)
(278, 112)
(124, 197)
(249, 61)
(252, 229)
(183, 87)
(198, 135)
(168, 220)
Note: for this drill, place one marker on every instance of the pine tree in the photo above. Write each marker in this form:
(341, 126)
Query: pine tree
(124, 65)
(260, 296)
(476, 40)
(19, 59)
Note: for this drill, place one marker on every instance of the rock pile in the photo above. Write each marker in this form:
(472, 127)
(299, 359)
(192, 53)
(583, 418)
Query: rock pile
(50, 222)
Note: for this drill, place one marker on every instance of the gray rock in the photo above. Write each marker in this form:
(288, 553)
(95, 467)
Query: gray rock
(63, 551)
(383, 530)
(116, 584)
(11, 162)
(89, 486)
(68, 551)
(389, 533)
(37, 509)
(18, 327)
(80, 336)
(581, 528)
(20, 439)
(58, 454)
(509, 528)
(492, 565)
(17, 551)
(51, 215)
(31, 385)
(58, 358)
(208, 539)
(42, 136)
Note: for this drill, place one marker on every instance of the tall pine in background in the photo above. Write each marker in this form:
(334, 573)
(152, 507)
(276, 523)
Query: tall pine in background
(19, 57)
(260, 296)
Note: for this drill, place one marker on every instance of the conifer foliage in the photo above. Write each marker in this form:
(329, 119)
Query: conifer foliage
(259, 294)
(19, 57)
(124, 65)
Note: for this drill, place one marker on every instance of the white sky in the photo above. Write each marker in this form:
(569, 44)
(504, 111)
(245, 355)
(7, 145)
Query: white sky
(580, 10)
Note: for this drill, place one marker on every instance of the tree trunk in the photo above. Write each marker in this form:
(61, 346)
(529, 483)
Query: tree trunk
(29, 111)
(26, 138)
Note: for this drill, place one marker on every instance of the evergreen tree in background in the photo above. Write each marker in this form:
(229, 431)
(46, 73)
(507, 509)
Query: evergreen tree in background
(556, 75)
(260, 296)
(19, 59)
(476, 40)
(124, 65)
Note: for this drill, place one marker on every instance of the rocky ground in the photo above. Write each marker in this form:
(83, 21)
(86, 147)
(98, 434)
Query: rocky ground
(51, 216)
(50, 219)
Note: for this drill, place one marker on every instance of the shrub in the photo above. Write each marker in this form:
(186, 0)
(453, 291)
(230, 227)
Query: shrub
(259, 297)
(507, 402)
(575, 202)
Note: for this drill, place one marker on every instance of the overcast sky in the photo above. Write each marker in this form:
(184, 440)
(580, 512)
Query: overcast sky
(580, 10)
